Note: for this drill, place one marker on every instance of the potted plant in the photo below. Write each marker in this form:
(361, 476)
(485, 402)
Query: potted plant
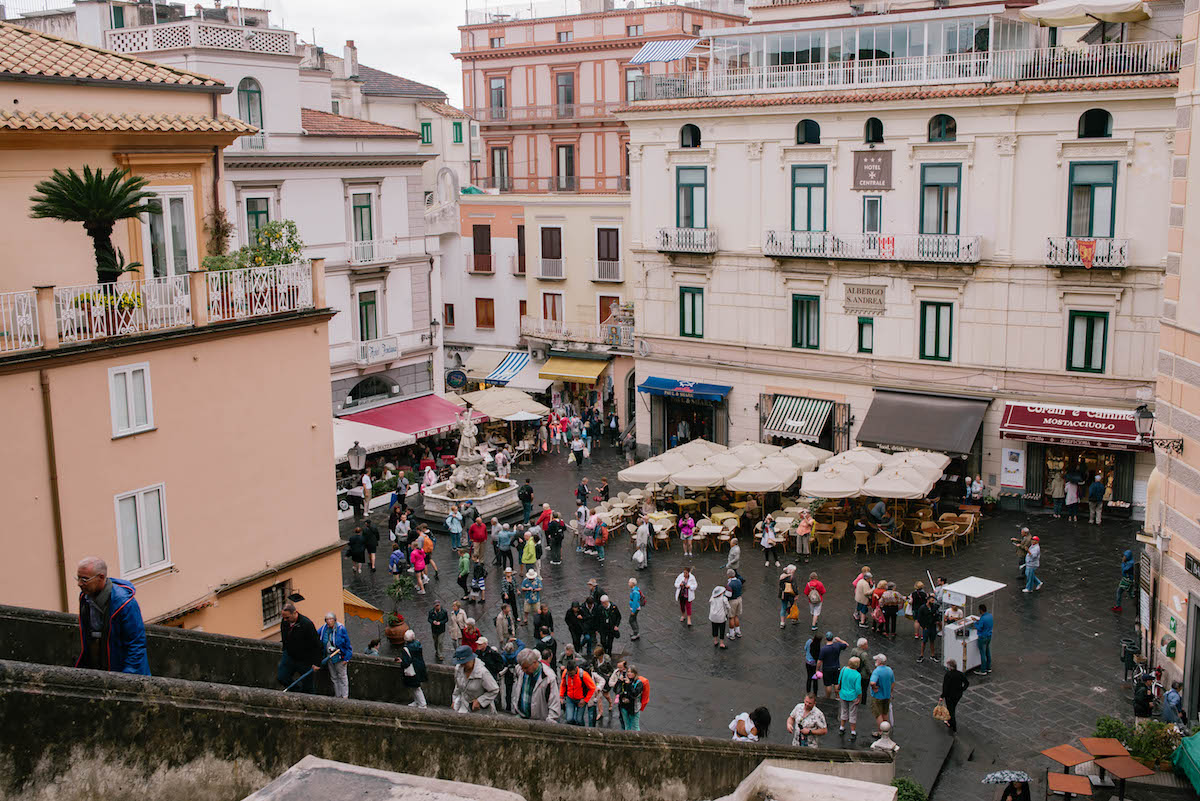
(394, 628)
(1152, 743)
(988, 504)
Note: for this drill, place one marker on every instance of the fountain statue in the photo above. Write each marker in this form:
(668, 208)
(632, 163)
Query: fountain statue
(470, 480)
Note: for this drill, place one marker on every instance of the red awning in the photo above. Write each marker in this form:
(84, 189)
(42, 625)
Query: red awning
(1072, 425)
(420, 417)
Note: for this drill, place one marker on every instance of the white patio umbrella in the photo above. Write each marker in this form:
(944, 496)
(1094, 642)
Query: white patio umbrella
(760, 478)
(897, 483)
(803, 462)
(919, 465)
(675, 461)
(701, 476)
(862, 458)
(651, 471)
(747, 453)
(938, 460)
(812, 451)
(831, 483)
(764, 448)
(695, 451)
(522, 417)
(846, 467)
(781, 466)
(1064, 13)
(726, 464)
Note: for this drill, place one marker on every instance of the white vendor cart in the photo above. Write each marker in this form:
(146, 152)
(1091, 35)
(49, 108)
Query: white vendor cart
(959, 638)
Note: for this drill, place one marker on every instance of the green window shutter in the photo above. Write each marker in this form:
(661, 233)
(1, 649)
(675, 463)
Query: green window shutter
(458, 133)
(427, 133)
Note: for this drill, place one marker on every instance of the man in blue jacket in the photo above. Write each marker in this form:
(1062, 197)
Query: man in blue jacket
(1128, 574)
(1095, 497)
(334, 637)
(112, 635)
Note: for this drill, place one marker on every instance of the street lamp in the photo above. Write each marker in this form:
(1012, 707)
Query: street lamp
(1143, 420)
(357, 456)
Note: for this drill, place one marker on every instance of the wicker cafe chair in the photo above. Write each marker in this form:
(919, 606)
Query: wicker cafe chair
(863, 538)
(823, 532)
(662, 533)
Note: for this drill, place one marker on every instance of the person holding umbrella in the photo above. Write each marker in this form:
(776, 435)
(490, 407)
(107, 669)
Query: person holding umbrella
(1017, 782)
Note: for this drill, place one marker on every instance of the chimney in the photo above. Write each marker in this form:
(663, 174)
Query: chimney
(351, 55)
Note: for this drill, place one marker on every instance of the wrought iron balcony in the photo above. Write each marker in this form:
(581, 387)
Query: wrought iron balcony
(948, 248)
(1087, 252)
(686, 240)
(618, 336)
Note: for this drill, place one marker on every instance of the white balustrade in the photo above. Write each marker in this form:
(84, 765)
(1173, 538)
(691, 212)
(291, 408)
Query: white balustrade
(256, 141)
(92, 311)
(949, 248)
(616, 335)
(606, 270)
(19, 321)
(552, 269)
(197, 33)
(1108, 253)
(259, 291)
(686, 240)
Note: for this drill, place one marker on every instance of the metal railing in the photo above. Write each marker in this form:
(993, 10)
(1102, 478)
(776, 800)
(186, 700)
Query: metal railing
(480, 263)
(686, 240)
(1088, 61)
(606, 270)
(950, 248)
(540, 184)
(19, 321)
(373, 351)
(197, 33)
(259, 291)
(544, 113)
(1109, 254)
(615, 335)
(377, 250)
(91, 311)
(552, 268)
(485, 12)
(255, 141)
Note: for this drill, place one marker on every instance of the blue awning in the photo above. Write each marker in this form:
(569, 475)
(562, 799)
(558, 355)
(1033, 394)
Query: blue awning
(669, 50)
(508, 368)
(675, 388)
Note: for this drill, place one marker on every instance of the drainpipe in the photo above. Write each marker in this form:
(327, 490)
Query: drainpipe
(55, 499)
(216, 179)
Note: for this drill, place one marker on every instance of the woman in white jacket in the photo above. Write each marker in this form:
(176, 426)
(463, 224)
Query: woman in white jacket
(718, 614)
(685, 593)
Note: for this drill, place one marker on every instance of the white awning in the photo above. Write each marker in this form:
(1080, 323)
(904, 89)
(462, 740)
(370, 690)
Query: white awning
(794, 417)
(668, 50)
(1064, 13)
(373, 438)
(483, 361)
(508, 368)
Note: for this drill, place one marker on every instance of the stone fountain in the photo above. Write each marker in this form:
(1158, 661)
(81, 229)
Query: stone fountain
(471, 481)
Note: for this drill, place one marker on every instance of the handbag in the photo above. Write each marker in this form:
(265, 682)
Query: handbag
(794, 613)
(908, 610)
(571, 458)
(940, 712)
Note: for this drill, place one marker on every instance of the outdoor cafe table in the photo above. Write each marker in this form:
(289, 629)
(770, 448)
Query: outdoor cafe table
(660, 517)
(1123, 767)
(687, 503)
(710, 534)
(1103, 747)
(721, 517)
(1068, 756)
(1068, 784)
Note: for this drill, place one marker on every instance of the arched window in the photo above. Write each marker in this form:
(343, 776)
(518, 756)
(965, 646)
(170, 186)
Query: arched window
(873, 131)
(808, 132)
(943, 128)
(370, 388)
(250, 102)
(689, 136)
(1095, 123)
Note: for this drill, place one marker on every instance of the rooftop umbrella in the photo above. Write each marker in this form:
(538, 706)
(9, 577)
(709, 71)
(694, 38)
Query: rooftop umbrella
(820, 454)
(1006, 776)
(1063, 13)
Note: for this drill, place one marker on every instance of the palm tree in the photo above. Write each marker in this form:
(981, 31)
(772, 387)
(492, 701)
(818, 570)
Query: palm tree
(98, 201)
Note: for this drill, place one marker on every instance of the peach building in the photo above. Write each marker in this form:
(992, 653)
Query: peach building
(156, 421)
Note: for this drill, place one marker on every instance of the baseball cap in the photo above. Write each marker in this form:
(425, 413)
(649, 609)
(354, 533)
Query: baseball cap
(463, 654)
(1037, 539)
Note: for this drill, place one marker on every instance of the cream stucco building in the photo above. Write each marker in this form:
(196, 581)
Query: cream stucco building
(955, 241)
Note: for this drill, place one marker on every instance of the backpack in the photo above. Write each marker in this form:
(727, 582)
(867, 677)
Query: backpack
(480, 571)
(814, 597)
(603, 535)
(525, 493)
(626, 696)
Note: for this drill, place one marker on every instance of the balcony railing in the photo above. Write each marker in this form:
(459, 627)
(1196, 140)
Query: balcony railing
(545, 113)
(537, 185)
(552, 269)
(203, 34)
(606, 270)
(488, 12)
(373, 351)
(257, 141)
(379, 250)
(93, 311)
(480, 263)
(950, 248)
(259, 291)
(1052, 63)
(1108, 254)
(686, 240)
(618, 336)
(18, 321)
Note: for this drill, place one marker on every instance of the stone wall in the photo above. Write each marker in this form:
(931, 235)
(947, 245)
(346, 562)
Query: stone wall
(131, 729)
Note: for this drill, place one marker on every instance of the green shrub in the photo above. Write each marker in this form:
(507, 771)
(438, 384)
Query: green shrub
(909, 790)
(1153, 741)
(383, 485)
(402, 588)
(275, 243)
(1111, 727)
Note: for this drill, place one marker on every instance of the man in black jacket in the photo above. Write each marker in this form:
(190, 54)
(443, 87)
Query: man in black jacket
(609, 623)
(592, 622)
(555, 532)
(525, 496)
(371, 539)
(954, 684)
(437, 626)
(301, 648)
(575, 624)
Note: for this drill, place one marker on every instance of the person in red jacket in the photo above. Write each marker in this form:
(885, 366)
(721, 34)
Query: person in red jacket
(545, 517)
(478, 535)
(576, 689)
(814, 591)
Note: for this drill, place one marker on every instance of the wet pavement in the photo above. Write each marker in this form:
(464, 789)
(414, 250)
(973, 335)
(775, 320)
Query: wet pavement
(1055, 652)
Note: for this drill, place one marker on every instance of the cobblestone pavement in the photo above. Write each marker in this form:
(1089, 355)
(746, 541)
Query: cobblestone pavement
(1056, 652)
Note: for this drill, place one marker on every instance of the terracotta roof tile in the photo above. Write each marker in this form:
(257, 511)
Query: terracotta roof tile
(445, 110)
(322, 123)
(378, 82)
(29, 53)
(84, 121)
(906, 93)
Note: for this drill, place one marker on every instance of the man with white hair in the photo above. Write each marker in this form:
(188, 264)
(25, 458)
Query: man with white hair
(608, 623)
(415, 673)
(334, 637)
(537, 696)
(110, 621)
(882, 679)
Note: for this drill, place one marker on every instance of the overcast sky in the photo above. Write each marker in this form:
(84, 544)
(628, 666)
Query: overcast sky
(412, 38)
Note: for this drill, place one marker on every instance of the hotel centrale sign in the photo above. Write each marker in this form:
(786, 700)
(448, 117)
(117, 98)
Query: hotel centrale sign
(865, 299)
(873, 169)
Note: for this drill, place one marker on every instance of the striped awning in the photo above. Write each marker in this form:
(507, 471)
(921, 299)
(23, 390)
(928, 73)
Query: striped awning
(508, 368)
(668, 50)
(353, 606)
(798, 418)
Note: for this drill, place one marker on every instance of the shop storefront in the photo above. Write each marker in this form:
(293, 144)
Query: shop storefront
(578, 383)
(681, 411)
(949, 424)
(1049, 442)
